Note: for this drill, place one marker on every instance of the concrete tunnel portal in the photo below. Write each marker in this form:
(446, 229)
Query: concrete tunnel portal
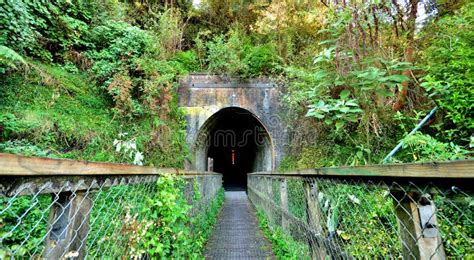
(234, 142)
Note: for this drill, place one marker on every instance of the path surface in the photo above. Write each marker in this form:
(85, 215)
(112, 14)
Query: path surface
(237, 234)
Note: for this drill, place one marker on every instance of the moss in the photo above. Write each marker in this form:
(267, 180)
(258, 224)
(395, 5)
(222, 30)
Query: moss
(193, 111)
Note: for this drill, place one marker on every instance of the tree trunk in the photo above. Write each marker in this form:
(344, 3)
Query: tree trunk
(402, 94)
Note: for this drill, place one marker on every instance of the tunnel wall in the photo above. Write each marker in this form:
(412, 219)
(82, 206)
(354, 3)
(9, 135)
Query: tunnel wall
(203, 95)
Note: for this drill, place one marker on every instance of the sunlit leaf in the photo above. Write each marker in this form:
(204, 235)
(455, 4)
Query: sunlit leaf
(339, 124)
(328, 121)
(344, 94)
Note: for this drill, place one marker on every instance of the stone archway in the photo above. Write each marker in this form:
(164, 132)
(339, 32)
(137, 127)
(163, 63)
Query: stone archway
(236, 142)
(209, 99)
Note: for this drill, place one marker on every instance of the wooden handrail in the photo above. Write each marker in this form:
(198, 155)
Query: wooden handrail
(449, 169)
(15, 165)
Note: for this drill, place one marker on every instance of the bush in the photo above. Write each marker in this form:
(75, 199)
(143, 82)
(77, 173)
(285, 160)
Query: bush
(11, 126)
(16, 23)
(189, 60)
(102, 35)
(44, 30)
(170, 32)
(33, 211)
(124, 221)
(9, 59)
(236, 55)
(220, 56)
(261, 60)
(172, 233)
(424, 148)
(123, 44)
(448, 62)
(283, 245)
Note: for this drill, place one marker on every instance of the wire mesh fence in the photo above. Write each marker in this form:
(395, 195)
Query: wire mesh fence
(350, 217)
(58, 217)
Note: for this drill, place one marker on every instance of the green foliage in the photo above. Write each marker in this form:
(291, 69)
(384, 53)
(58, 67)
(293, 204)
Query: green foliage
(236, 55)
(359, 220)
(15, 24)
(68, 116)
(329, 155)
(168, 234)
(125, 60)
(365, 83)
(460, 210)
(154, 224)
(102, 35)
(203, 224)
(348, 88)
(355, 233)
(171, 232)
(9, 59)
(449, 67)
(170, 32)
(336, 112)
(45, 29)
(23, 147)
(10, 126)
(34, 212)
(124, 43)
(283, 245)
(424, 147)
(221, 58)
(261, 60)
(55, 111)
(288, 163)
(189, 60)
(359, 234)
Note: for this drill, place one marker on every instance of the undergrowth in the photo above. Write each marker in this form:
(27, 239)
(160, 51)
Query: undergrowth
(156, 225)
(283, 245)
(54, 113)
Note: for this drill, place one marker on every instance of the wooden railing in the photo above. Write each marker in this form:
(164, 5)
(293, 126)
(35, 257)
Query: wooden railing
(419, 211)
(58, 209)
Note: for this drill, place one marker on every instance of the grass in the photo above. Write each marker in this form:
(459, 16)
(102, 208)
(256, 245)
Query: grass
(51, 112)
(283, 245)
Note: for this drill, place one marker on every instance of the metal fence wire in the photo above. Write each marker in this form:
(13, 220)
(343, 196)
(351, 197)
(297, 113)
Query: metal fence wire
(347, 217)
(86, 217)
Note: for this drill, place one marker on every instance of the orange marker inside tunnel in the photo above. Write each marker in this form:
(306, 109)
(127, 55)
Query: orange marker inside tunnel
(233, 157)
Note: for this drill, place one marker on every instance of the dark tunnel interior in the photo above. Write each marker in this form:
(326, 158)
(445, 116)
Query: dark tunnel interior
(236, 143)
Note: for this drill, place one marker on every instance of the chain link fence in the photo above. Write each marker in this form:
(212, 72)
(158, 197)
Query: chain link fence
(58, 217)
(353, 217)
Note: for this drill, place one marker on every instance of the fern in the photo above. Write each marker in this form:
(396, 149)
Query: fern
(9, 59)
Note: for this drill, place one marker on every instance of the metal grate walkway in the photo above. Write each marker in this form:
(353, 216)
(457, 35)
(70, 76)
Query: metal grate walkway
(237, 234)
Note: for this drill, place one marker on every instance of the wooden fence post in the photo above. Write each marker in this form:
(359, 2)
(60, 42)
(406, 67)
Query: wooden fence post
(210, 164)
(284, 203)
(204, 189)
(189, 190)
(418, 226)
(213, 186)
(313, 212)
(201, 186)
(69, 225)
(269, 190)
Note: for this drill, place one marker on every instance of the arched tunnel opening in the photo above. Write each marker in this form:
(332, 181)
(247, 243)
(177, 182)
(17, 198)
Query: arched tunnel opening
(233, 142)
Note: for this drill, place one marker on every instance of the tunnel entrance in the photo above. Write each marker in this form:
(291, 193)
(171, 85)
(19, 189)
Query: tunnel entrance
(233, 142)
